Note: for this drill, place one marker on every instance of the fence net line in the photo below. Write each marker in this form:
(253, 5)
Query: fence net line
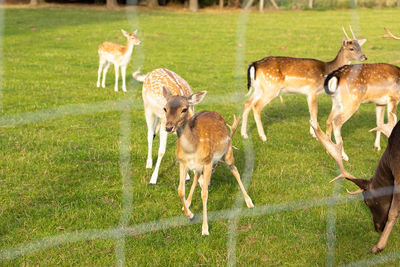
(125, 107)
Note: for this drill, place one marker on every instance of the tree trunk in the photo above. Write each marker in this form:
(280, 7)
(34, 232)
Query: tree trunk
(248, 4)
(274, 4)
(310, 4)
(34, 2)
(398, 3)
(193, 5)
(261, 8)
(221, 4)
(112, 3)
(152, 3)
(355, 3)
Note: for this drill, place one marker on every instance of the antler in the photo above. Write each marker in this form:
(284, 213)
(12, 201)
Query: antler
(234, 125)
(335, 150)
(387, 128)
(388, 34)
(354, 37)
(355, 192)
(348, 38)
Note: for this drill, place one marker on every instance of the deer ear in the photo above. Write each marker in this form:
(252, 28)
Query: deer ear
(361, 41)
(166, 92)
(197, 98)
(361, 183)
(124, 33)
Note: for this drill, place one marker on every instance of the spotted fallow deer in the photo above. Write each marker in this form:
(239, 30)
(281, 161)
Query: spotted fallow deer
(382, 192)
(154, 102)
(352, 85)
(203, 140)
(273, 76)
(112, 53)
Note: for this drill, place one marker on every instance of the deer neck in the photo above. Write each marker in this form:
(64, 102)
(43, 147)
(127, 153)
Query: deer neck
(339, 61)
(128, 48)
(186, 137)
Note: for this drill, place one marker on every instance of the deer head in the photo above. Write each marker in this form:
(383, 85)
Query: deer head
(131, 37)
(177, 107)
(378, 200)
(351, 48)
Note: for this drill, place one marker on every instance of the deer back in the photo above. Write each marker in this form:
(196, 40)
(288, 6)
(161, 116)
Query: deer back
(368, 83)
(204, 139)
(153, 84)
(290, 72)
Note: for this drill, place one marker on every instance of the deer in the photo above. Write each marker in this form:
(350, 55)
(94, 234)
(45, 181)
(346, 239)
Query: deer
(273, 76)
(112, 53)
(203, 140)
(381, 193)
(353, 85)
(154, 102)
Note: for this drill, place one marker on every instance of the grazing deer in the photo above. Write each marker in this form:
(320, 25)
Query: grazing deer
(154, 103)
(382, 192)
(112, 53)
(203, 140)
(352, 85)
(273, 76)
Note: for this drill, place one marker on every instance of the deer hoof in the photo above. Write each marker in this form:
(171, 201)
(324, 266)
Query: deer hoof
(204, 232)
(376, 249)
(263, 138)
(149, 164)
(245, 136)
(378, 148)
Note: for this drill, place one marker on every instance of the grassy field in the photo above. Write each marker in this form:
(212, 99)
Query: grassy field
(72, 156)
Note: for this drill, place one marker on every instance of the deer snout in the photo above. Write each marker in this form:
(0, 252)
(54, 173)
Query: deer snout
(363, 57)
(169, 127)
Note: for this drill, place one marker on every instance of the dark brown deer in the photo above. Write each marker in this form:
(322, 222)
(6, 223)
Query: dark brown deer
(382, 192)
(203, 140)
(273, 76)
(352, 85)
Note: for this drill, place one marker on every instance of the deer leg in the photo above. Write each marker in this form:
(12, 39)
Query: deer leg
(337, 127)
(116, 67)
(181, 190)
(257, 107)
(229, 159)
(380, 114)
(123, 74)
(152, 122)
(340, 119)
(247, 107)
(313, 109)
(106, 67)
(189, 199)
(161, 151)
(394, 212)
(204, 196)
(101, 64)
(391, 110)
(329, 124)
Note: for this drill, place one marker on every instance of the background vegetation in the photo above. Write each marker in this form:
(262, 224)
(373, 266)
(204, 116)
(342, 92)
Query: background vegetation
(63, 175)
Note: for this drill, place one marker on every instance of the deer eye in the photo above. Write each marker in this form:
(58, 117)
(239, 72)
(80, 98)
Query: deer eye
(165, 109)
(184, 110)
(351, 49)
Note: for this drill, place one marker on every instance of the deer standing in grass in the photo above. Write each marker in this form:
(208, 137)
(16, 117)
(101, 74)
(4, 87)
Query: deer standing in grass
(154, 102)
(203, 140)
(273, 76)
(112, 53)
(353, 85)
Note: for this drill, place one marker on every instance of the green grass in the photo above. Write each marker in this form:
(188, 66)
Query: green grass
(63, 175)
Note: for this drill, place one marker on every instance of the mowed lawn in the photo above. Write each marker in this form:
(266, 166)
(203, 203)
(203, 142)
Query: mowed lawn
(63, 142)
